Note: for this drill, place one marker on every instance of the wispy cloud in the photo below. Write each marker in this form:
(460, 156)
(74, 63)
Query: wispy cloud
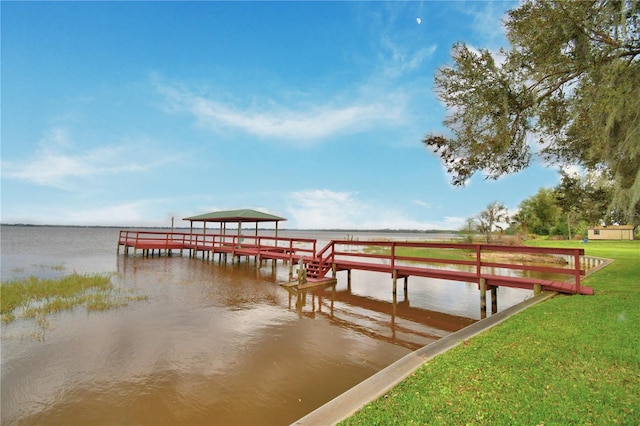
(57, 163)
(422, 203)
(131, 213)
(488, 22)
(402, 59)
(327, 209)
(295, 122)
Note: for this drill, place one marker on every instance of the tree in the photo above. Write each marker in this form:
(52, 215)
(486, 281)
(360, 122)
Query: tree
(469, 229)
(492, 217)
(570, 83)
(584, 198)
(540, 212)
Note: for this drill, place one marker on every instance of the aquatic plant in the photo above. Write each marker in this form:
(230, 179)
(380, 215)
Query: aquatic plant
(32, 297)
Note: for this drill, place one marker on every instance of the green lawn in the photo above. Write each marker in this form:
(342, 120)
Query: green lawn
(570, 360)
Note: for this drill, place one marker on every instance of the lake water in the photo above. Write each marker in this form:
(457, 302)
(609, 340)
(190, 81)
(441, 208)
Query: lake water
(213, 343)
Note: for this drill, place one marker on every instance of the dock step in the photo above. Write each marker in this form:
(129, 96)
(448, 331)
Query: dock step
(311, 283)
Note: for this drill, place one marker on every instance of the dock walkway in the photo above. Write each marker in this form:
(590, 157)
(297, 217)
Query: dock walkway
(470, 263)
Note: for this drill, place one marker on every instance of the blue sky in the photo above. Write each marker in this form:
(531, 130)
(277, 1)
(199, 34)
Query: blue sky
(130, 113)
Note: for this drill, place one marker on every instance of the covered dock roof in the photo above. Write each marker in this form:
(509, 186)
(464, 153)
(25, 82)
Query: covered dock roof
(235, 216)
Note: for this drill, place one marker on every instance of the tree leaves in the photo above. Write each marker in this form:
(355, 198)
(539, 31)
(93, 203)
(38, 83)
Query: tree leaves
(571, 79)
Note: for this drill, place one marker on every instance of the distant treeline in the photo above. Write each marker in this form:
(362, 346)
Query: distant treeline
(395, 231)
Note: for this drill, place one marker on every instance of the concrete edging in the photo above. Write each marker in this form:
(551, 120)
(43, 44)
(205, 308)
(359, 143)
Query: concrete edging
(354, 399)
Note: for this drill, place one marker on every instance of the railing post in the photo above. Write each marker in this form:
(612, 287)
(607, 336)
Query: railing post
(393, 261)
(135, 247)
(576, 257)
(290, 251)
(478, 261)
(483, 298)
(395, 281)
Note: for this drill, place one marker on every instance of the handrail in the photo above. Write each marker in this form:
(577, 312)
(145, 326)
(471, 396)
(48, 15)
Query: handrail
(333, 250)
(206, 241)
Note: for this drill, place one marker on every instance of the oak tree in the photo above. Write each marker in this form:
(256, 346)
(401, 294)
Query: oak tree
(494, 217)
(567, 90)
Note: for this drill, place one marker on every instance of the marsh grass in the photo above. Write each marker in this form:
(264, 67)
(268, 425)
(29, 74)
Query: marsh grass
(569, 360)
(33, 297)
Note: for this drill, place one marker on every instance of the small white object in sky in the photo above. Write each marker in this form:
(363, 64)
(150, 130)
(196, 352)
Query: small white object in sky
(419, 21)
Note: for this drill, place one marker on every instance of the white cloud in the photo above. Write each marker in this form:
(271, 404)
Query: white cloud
(405, 62)
(53, 165)
(327, 209)
(293, 123)
(102, 213)
(422, 203)
(450, 222)
(126, 214)
(572, 170)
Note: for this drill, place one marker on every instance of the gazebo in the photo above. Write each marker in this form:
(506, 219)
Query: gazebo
(234, 216)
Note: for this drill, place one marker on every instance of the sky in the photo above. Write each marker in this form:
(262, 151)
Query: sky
(131, 113)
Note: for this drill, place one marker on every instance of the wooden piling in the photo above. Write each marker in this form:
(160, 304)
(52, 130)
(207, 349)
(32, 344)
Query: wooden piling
(494, 300)
(483, 298)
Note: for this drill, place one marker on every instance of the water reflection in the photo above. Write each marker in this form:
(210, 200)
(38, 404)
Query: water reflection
(215, 343)
(396, 322)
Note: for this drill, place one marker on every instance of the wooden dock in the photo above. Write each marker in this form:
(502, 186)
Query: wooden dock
(447, 261)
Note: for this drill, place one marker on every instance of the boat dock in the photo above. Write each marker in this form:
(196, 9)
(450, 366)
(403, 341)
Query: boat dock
(472, 263)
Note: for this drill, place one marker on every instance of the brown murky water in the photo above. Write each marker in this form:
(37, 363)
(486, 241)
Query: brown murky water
(214, 343)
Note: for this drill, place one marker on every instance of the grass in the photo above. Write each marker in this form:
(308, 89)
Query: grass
(418, 252)
(34, 297)
(570, 360)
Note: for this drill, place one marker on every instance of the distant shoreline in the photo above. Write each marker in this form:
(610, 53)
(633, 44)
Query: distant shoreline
(398, 231)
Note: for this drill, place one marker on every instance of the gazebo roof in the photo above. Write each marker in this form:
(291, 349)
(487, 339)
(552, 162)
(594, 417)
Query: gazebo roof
(243, 215)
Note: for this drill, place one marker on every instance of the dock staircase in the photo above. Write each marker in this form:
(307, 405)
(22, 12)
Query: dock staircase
(317, 270)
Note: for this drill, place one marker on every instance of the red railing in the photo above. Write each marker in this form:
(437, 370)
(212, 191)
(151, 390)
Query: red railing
(275, 247)
(348, 253)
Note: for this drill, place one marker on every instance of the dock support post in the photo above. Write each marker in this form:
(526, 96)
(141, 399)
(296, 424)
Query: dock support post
(333, 270)
(395, 281)
(483, 298)
(537, 289)
(349, 279)
(494, 300)
(406, 288)
(302, 272)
